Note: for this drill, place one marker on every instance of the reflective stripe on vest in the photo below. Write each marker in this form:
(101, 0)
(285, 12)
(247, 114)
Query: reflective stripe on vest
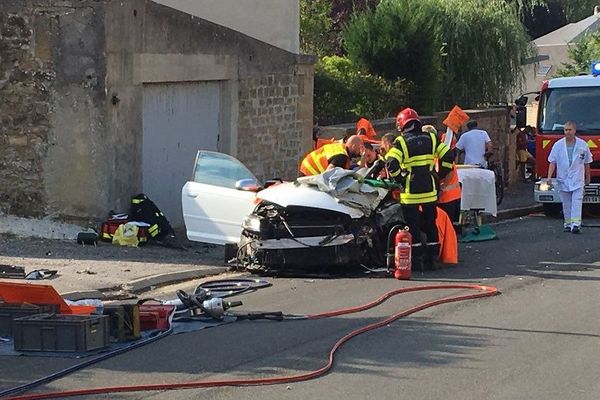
(316, 162)
(423, 160)
(396, 155)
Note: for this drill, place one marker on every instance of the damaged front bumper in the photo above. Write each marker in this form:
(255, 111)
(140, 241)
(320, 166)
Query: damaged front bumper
(306, 253)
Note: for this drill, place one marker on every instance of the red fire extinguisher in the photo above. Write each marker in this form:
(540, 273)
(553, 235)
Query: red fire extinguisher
(403, 254)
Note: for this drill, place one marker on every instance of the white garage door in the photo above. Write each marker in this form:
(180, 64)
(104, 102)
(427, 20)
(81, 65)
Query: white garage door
(179, 119)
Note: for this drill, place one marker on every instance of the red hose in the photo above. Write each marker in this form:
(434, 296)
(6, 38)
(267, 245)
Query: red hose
(482, 291)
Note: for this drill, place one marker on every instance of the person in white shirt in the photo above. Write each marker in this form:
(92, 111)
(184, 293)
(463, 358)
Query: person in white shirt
(571, 158)
(475, 143)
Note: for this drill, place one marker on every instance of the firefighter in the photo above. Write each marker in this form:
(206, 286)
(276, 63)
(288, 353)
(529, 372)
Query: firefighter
(416, 152)
(449, 190)
(392, 157)
(332, 155)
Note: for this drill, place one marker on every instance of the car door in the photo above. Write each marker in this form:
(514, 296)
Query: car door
(215, 202)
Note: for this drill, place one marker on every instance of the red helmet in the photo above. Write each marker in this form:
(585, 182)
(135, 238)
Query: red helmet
(405, 116)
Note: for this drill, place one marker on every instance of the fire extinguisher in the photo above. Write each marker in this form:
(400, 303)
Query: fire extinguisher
(402, 254)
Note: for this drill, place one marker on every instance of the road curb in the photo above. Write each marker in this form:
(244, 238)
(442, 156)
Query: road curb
(142, 284)
(83, 294)
(513, 213)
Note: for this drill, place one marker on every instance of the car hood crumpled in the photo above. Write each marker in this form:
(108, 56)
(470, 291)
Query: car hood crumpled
(335, 190)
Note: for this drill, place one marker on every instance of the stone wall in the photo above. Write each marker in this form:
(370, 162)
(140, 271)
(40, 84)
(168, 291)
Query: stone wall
(51, 83)
(72, 74)
(24, 116)
(496, 122)
(273, 132)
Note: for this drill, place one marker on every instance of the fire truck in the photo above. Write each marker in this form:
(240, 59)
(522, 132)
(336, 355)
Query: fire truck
(576, 99)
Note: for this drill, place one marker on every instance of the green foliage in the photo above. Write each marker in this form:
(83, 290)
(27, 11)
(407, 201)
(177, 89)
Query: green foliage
(576, 10)
(344, 92)
(581, 56)
(465, 52)
(397, 40)
(485, 44)
(315, 27)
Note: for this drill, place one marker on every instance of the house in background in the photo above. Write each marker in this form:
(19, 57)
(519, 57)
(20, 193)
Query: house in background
(103, 99)
(552, 51)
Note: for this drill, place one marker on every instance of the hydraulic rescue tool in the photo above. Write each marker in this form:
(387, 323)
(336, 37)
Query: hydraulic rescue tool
(203, 302)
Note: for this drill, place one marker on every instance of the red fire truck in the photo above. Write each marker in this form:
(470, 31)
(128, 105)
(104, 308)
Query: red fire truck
(576, 99)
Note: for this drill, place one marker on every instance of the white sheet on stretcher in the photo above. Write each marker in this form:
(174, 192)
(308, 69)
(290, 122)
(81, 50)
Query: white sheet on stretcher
(478, 189)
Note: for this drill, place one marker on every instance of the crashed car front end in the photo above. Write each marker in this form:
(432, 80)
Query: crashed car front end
(307, 229)
(298, 237)
(337, 218)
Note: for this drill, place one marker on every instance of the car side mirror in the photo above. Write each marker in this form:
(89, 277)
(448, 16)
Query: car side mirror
(248, 185)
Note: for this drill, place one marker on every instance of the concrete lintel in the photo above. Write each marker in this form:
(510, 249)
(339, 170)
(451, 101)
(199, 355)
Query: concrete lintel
(149, 68)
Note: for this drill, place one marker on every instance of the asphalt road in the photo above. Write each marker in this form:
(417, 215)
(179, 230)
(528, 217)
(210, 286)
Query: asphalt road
(537, 340)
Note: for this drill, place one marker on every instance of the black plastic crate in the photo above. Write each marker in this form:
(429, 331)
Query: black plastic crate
(11, 311)
(68, 333)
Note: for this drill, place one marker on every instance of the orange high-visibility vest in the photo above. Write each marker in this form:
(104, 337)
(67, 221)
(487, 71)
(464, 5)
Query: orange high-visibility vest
(447, 238)
(316, 161)
(451, 190)
(322, 142)
(365, 124)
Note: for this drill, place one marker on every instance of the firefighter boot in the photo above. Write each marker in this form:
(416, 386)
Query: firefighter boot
(416, 263)
(431, 254)
(416, 257)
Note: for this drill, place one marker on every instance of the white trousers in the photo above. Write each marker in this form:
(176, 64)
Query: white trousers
(571, 205)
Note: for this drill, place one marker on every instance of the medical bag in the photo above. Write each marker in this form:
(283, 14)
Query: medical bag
(110, 226)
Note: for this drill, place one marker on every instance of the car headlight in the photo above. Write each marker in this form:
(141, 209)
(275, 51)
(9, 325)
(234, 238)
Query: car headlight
(544, 187)
(252, 223)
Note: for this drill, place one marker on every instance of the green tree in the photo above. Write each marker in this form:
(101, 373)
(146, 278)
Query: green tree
(581, 56)
(315, 27)
(344, 92)
(465, 52)
(485, 45)
(576, 10)
(397, 40)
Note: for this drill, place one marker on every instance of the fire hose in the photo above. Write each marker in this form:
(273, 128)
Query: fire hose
(480, 291)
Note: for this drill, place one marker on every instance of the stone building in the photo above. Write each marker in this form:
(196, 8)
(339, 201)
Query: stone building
(103, 99)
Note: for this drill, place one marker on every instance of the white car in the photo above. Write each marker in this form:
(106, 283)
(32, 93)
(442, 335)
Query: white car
(286, 225)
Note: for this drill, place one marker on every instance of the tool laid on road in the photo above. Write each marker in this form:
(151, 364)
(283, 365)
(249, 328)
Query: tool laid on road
(481, 291)
(204, 303)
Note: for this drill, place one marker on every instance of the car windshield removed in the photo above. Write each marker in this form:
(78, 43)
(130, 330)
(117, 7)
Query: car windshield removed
(577, 104)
